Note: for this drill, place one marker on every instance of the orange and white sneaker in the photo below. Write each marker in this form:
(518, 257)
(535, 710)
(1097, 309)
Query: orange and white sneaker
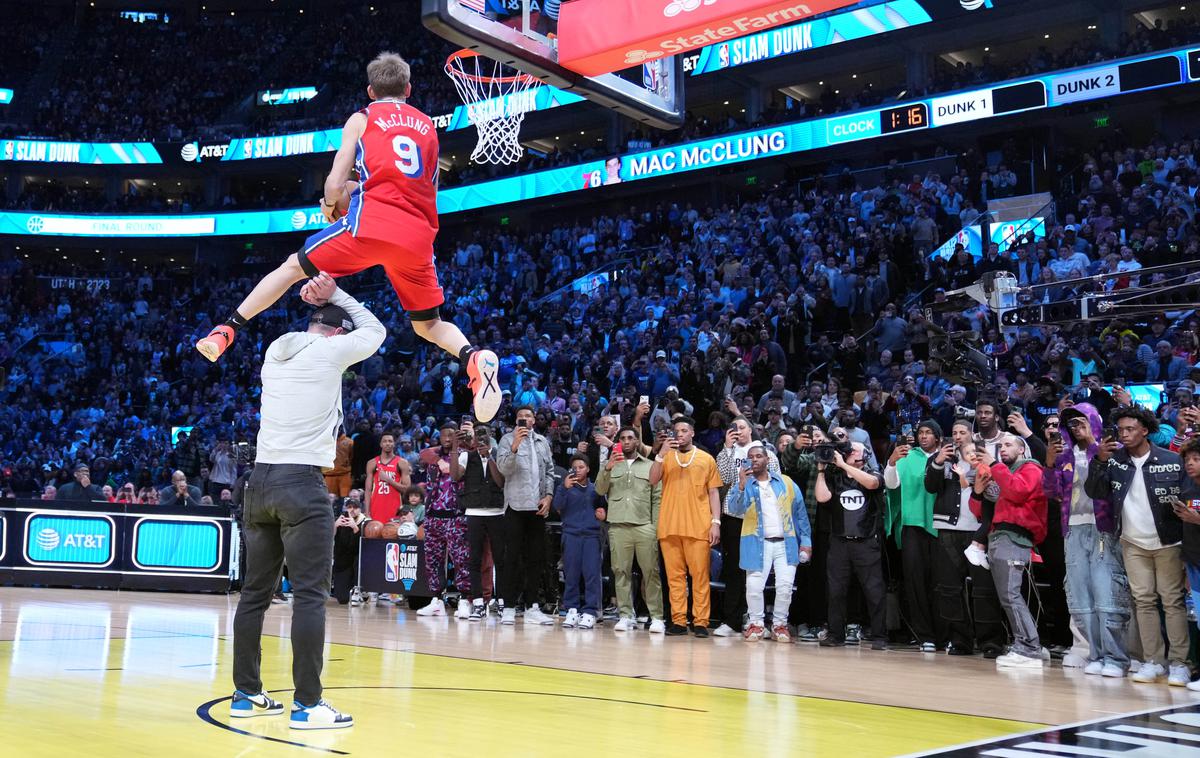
(217, 342)
(483, 372)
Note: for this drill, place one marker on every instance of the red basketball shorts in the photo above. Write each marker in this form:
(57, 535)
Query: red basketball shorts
(413, 275)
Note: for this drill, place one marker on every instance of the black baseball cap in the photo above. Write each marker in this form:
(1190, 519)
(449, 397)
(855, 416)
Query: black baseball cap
(332, 316)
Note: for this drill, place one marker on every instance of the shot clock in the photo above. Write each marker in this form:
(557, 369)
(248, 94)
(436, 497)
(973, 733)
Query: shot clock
(904, 118)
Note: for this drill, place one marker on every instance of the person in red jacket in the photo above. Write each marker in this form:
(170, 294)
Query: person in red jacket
(1014, 484)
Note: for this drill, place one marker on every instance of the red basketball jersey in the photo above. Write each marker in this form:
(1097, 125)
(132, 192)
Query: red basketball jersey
(397, 162)
(385, 499)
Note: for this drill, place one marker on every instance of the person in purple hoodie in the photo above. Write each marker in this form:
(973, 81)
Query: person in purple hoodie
(1097, 587)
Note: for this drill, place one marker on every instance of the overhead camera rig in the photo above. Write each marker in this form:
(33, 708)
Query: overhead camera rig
(999, 291)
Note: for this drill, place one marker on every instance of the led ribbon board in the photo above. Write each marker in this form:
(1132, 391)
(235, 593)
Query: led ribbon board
(796, 38)
(1143, 73)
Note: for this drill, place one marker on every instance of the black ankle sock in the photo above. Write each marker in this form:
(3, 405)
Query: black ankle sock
(236, 321)
(465, 354)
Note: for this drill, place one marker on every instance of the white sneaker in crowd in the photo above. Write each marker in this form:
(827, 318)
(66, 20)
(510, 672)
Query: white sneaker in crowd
(1134, 665)
(508, 616)
(658, 626)
(587, 621)
(569, 622)
(1148, 673)
(356, 597)
(724, 630)
(1094, 668)
(464, 610)
(1072, 661)
(1179, 676)
(478, 611)
(1014, 660)
(534, 615)
(1113, 671)
(625, 624)
(435, 608)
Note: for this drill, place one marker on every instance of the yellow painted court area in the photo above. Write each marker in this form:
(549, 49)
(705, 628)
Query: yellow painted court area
(148, 674)
(429, 703)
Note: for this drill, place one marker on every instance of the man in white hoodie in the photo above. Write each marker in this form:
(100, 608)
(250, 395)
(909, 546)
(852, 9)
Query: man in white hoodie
(286, 511)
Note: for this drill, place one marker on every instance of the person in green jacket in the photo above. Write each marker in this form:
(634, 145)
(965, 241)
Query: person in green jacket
(632, 528)
(910, 522)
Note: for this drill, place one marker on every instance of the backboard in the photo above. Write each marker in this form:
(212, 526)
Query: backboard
(523, 34)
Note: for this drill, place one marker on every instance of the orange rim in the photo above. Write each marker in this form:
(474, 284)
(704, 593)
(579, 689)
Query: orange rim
(460, 73)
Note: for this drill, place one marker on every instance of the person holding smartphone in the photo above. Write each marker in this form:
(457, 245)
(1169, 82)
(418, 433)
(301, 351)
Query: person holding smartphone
(1140, 479)
(1094, 562)
(582, 512)
(1187, 508)
(482, 499)
(689, 523)
(524, 459)
(347, 528)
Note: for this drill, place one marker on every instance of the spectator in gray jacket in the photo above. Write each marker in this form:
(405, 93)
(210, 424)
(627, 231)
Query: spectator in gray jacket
(180, 494)
(523, 457)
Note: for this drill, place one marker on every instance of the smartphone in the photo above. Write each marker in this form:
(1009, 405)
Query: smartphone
(644, 400)
(467, 418)
(1110, 432)
(745, 463)
(906, 433)
(671, 434)
(523, 422)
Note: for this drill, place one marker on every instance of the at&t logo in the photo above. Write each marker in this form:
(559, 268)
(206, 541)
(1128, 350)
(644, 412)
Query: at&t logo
(974, 5)
(675, 7)
(48, 539)
(189, 152)
(299, 219)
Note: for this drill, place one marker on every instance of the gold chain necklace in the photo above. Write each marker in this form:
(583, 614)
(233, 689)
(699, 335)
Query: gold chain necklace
(691, 458)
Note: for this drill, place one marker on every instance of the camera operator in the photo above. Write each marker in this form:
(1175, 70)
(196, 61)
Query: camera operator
(345, 552)
(1141, 480)
(810, 606)
(949, 476)
(910, 522)
(854, 494)
(482, 499)
(739, 437)
(1018, 524)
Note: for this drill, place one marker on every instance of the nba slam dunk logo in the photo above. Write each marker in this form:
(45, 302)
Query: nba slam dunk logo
(400, 564)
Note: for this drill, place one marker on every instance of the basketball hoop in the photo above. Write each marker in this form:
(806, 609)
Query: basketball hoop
(493, 95)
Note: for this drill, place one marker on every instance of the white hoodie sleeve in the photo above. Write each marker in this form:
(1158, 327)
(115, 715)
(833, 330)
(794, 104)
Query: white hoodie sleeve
(368, 334)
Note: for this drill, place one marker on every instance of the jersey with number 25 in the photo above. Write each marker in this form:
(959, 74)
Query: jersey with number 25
(397, 162)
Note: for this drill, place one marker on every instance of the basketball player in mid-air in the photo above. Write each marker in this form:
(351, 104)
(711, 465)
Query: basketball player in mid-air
(391, 221)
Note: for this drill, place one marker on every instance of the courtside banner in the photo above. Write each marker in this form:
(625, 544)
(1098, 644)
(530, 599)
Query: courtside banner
(200, 225)
(600, 36)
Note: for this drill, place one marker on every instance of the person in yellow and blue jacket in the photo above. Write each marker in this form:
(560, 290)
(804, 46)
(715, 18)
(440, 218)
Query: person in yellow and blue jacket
(775, 534)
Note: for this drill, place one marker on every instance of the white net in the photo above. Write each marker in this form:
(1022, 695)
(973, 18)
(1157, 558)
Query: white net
(497, 97)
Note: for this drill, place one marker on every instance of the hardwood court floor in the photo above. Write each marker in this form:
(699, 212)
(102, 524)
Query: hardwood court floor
(127, 674)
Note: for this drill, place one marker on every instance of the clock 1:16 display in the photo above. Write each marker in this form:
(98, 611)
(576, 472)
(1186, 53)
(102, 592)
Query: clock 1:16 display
(904, 118)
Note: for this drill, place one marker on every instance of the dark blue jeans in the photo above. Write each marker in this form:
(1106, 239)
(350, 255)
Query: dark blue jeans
(286, 517)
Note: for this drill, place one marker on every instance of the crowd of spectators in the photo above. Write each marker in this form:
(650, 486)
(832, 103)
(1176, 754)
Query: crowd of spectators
(111, 85)
(713, 301)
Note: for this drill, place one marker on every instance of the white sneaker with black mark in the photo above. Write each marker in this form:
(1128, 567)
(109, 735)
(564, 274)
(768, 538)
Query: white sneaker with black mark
(571, 619)
(587, 621)
(724, 630)
(624, 624)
